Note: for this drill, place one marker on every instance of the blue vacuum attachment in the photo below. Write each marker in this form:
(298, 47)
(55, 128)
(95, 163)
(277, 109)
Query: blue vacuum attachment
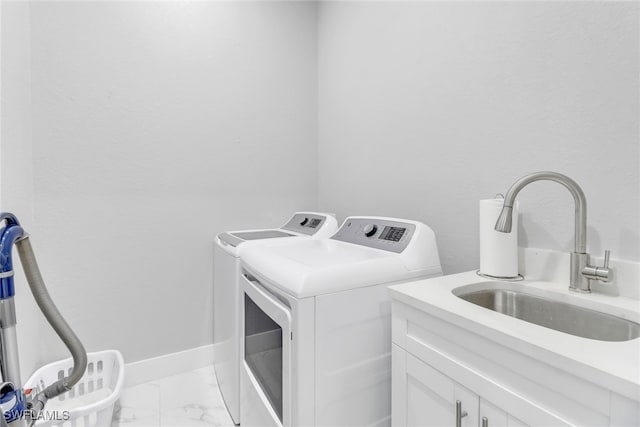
(10, 233)
(12, 398)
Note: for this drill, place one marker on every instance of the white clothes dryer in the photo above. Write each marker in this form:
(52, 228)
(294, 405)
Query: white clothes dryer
(302, 225)
(316, 323)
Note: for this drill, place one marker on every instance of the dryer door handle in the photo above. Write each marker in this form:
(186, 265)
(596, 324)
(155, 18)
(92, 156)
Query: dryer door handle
(267, 301)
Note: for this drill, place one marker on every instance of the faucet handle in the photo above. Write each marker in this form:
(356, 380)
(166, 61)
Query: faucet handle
(603, 274)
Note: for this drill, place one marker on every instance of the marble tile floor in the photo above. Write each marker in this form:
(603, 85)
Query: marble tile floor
(184, 400)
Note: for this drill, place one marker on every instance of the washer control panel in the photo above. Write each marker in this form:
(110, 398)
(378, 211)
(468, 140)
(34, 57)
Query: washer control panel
(305, 223)
(378, 233)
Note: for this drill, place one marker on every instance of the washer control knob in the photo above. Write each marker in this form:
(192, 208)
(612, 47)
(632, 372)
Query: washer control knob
(304, 221)
(370, 229)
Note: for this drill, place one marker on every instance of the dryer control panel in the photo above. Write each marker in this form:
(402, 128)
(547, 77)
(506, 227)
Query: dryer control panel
(378, 233)
(305, 223)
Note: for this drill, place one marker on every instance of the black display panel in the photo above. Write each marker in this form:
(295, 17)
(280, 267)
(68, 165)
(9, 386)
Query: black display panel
(393, 234)
(314, 223)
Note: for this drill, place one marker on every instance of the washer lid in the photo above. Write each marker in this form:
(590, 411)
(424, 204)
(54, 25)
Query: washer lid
(316, 225)
(240, 236)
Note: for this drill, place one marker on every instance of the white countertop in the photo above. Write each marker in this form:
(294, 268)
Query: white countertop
(613, 365)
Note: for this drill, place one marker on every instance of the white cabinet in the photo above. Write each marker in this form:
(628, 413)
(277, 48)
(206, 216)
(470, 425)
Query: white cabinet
(504, 371)
(423, 396)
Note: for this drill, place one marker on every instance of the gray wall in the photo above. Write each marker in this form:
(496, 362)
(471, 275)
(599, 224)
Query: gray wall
(155, 126)
(16, 167)
(133, 132)
(427, 107)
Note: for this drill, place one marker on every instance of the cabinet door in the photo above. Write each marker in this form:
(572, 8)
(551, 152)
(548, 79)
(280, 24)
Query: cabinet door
(424, 397)
(491, 416)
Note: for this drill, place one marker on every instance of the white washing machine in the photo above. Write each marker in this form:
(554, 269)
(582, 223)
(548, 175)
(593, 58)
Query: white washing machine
(302, 225)
(316, 323)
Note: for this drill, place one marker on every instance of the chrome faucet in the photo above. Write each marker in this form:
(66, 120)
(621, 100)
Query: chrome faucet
(581, 272)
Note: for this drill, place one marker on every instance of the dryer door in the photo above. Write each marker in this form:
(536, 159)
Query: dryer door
(266, 355)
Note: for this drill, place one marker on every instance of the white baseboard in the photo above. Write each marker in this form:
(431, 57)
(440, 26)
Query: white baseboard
(166, 365)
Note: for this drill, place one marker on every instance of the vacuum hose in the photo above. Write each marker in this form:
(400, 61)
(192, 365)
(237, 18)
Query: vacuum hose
(53, 316)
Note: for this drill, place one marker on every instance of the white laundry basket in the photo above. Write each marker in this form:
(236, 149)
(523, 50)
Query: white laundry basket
(91, 401)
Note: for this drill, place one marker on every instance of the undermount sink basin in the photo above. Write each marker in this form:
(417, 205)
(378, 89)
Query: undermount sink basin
(557, 315)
